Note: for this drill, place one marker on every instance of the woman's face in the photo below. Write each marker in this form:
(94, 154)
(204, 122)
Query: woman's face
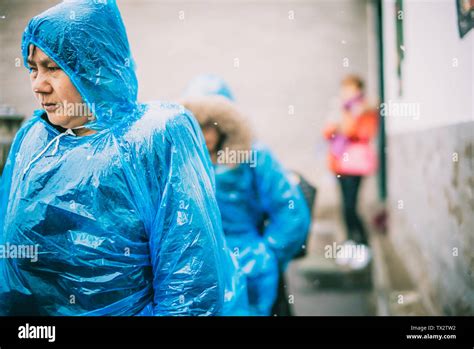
(349, 91)
(55, 92)
(211, 136)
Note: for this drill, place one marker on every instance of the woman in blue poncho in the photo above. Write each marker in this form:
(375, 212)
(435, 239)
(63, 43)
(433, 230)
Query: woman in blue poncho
(264, 214)
(118, 199)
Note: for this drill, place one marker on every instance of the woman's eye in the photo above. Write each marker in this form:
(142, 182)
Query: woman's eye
(32, 69)
(53, 69)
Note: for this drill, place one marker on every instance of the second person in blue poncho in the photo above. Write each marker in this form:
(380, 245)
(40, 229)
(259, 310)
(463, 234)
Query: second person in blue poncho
(264, 214)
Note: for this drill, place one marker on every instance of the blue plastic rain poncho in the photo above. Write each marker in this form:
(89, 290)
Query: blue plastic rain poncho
(236, 300)
(265, 220)
(125, 221)
(264, 214)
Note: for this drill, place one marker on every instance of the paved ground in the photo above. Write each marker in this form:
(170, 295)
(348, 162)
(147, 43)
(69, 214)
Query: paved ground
(311, 300)
(320, 287)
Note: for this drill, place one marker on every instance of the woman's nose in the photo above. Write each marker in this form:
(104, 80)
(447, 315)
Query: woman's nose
(41, 84)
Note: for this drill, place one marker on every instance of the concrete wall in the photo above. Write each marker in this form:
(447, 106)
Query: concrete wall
(290, 53)
(430, 155)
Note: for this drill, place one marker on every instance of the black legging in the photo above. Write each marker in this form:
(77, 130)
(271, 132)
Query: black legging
(354, 225)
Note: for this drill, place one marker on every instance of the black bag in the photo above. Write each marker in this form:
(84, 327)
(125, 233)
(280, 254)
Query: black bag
(309, 193)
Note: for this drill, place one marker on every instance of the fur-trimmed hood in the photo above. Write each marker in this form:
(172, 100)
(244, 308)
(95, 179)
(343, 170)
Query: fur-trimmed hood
(225, 116)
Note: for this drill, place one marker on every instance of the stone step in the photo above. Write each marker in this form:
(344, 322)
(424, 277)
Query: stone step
(324, 273)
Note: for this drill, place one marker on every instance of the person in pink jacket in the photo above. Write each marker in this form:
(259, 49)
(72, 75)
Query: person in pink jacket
(351, 156)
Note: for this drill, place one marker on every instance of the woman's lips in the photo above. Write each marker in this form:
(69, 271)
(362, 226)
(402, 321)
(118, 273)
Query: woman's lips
(50, 107)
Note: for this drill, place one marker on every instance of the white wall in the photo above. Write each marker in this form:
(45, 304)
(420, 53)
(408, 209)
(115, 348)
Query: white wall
(429, 159)
(443, 91)
(283, 62)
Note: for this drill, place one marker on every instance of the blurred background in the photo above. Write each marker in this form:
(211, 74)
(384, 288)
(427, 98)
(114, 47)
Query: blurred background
(284, 61)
